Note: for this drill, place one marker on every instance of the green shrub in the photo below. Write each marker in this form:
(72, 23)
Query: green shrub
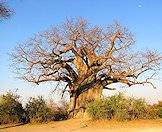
(121, 108)
(160, 112)
(39, 111)
(159, 107)
(11, 110)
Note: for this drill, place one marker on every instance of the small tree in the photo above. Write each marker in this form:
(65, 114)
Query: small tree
(11, 110)
(86, 58)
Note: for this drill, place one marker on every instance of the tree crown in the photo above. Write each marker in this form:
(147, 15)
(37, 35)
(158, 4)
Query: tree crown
(82, 56)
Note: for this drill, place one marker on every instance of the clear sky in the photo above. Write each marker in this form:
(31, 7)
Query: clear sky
(142, 17)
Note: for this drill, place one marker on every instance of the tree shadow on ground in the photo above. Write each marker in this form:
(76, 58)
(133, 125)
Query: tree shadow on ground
(13, 125)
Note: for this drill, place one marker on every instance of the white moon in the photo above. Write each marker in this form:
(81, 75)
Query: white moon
(139, 6)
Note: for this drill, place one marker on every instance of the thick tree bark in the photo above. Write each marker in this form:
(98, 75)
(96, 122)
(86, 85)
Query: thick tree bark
(90, 95)
(78, 103)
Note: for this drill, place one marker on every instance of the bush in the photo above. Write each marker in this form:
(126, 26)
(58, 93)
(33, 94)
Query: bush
(159, 107)
(11, 110)
(121, 108)
(39, 111)
(160, 112)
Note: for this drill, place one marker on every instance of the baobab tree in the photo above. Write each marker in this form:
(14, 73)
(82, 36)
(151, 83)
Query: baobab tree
(5, 11)
(86, 58)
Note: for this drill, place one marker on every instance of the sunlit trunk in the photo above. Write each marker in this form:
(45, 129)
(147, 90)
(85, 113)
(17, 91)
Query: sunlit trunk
(83, 99)
(72, 106)
(78, 104)
(90, 95)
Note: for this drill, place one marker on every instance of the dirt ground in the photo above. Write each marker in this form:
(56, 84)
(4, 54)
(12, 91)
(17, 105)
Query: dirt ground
(81, 125)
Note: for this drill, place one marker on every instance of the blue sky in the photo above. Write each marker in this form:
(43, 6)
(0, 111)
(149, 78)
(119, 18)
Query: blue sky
(142, 17)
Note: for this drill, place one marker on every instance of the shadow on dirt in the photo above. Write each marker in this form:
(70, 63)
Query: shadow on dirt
(10, 126)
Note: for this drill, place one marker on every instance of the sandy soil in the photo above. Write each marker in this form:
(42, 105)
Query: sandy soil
(81, 125)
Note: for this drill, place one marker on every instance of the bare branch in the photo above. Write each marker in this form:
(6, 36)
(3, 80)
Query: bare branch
(85, 57)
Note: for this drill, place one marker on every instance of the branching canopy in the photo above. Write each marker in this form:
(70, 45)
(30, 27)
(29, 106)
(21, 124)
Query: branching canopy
(82, 56)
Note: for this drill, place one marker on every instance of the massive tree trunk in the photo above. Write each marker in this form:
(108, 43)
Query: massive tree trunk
(90, 95)
(88, 89)
(78, 103)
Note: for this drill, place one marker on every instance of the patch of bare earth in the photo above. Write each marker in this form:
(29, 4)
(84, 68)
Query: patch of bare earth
(82, 125)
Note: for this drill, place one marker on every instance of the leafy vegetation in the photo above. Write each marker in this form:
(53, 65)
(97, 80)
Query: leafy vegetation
(160, 112)
(121, 108)
(11, 110)
(159, 106)
(39, 111)
(36, 110)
